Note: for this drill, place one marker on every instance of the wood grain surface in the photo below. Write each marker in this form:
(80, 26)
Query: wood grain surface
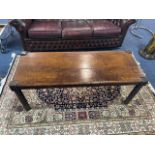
(57, 69)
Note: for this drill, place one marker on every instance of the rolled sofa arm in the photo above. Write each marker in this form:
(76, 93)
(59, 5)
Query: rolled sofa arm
(21, 25)
(125, 23)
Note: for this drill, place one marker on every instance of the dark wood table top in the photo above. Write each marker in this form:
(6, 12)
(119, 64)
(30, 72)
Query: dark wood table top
(58, 69)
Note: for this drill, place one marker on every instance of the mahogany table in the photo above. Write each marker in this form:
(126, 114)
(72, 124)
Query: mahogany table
(76, 69)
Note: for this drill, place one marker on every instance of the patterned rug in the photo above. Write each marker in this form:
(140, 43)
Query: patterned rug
(78, 98)
(105, 113)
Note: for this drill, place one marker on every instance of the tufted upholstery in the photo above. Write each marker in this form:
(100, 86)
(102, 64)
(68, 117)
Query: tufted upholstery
(81, 44)
(71, 34)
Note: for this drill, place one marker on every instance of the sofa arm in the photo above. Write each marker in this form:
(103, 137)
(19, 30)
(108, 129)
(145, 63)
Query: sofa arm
(21, 25)
(125, 23)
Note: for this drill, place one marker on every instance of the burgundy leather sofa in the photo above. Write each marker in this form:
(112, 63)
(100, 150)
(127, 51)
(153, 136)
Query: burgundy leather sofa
(71, 34)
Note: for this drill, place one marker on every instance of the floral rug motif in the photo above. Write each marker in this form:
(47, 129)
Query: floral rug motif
(78, 98)
(138, 117)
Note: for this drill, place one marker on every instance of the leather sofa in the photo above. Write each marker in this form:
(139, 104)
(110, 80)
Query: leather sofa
(71, 34)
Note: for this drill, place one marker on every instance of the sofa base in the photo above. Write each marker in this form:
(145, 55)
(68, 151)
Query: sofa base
(62, 45)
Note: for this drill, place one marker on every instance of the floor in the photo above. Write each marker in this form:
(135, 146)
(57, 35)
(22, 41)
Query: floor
(131, 43)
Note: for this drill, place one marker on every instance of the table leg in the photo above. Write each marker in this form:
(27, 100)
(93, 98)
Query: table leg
(22, 99)
(133, 92)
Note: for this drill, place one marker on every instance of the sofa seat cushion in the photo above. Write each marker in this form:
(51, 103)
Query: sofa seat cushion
(45, 29)
(104, 28)
(76, 29)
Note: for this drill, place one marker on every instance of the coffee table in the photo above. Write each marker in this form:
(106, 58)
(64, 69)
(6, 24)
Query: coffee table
(76, 69)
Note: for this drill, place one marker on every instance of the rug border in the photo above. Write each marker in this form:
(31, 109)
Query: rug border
(151, 87)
